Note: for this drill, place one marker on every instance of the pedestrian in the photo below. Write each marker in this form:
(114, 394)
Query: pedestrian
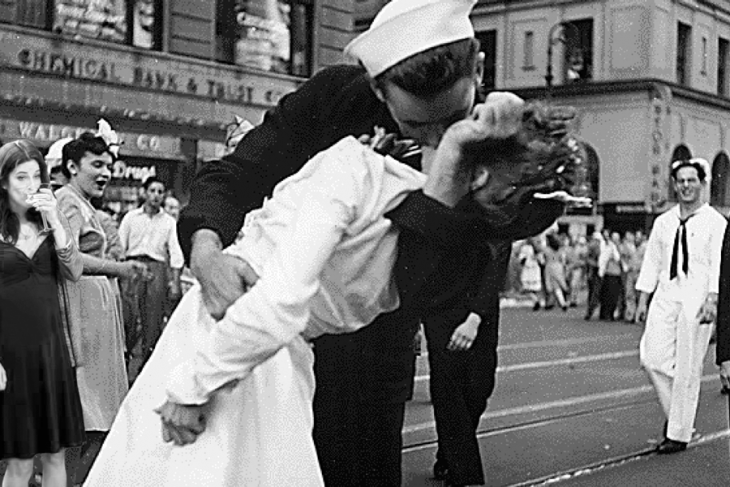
(631, 263)
(262, 340)
(593, 277)
(531, 275)
(93, 305)
(682, 268)
(172, 206)
(40, 410)
(555, 284)
(610, 272)
(722, 339)
(149, 235)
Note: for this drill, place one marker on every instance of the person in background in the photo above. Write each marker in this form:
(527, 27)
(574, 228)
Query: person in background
(555, 283)
(172, 206)
(93, 303)
(610, 272)
(682, 267)
(54, 160)
(149, 236)
(632, 265)
(573, 270)
(593, 276)
(40, 410)
(531, 275)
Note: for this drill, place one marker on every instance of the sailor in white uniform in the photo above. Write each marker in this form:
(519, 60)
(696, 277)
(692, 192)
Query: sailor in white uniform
(681, 266)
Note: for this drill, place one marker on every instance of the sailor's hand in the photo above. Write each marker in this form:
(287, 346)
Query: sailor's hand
(223, 278)
(464, 335)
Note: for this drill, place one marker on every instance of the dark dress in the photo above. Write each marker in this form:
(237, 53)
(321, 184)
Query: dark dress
(40, 411)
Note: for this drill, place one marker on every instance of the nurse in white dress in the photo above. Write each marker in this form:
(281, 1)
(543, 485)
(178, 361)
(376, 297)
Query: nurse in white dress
(325, 253)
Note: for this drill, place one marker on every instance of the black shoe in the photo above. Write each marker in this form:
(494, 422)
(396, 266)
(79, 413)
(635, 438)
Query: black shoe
(536, 307)
(440, 470)
(667, 447)
(565, 308)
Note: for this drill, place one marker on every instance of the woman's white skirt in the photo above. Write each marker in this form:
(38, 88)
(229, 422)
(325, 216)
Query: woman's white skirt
(258, 433)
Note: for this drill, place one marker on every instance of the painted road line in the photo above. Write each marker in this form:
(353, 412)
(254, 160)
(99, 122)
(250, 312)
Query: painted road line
(563, 403)
(552, 363)
(563, 342)
(611, 463)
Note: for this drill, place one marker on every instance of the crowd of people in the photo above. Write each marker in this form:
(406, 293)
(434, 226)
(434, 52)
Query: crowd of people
(393, 193)
(556, 269)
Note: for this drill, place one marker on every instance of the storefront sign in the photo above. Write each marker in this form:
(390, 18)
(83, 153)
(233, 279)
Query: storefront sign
(126, 69)
(133, 144)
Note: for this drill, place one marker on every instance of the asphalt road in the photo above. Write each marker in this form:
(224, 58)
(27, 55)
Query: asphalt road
(573, 407)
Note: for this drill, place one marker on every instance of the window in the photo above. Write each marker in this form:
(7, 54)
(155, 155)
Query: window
(528, 50)
(488, 42)
(31, 13)
(684, 35)
(723, 46)
(270, 35)
(703, 71)
(135, 22)
(578, 60)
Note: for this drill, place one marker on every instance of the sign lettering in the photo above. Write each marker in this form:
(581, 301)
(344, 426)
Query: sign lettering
(70, 65)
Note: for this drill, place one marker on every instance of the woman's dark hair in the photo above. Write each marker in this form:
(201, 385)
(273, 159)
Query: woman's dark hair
(12, 155)
(432, 71)
(77, 149)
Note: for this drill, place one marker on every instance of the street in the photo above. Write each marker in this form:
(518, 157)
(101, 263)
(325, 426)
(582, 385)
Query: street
(572, 406)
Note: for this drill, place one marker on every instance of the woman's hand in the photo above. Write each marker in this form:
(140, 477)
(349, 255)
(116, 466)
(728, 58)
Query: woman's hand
(45, 202)
(3, 378)
(465, 334)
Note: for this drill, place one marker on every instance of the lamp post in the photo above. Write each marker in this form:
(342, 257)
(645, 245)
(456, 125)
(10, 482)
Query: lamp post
(576, 53)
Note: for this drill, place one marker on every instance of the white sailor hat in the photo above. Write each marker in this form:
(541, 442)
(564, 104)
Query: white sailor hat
(406, 27)
(54, 157)
(697, 163)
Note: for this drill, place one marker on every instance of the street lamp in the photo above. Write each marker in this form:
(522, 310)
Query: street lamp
(575, 56)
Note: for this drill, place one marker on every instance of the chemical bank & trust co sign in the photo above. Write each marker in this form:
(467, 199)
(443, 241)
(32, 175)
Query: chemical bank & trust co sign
(85, 62)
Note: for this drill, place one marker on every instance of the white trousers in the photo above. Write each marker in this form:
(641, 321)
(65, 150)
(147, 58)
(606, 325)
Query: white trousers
(258, 433)
(672, 351)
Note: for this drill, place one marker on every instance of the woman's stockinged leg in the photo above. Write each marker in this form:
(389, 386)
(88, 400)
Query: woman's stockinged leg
(54, 468)
(18, 472)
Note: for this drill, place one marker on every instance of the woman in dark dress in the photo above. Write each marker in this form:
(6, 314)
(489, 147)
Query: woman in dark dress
(40, 411)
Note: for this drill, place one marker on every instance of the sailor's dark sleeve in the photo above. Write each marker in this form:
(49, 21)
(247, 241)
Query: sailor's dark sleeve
(723, 303)
(224, 191)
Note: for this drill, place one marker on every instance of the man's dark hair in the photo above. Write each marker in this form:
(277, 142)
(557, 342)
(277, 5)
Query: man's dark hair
(76, 149)
(677, 165)
(150, 181)
(432, 71)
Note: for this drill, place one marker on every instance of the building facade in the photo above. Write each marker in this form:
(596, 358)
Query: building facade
(650, 79)
(168, 75)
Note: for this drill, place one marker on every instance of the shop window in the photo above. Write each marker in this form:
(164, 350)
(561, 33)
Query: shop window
(488, 45)
(135, 22)
(270, 35)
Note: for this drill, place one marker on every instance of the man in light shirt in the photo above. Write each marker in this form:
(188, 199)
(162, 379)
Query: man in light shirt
(682, 267)
(149, 234)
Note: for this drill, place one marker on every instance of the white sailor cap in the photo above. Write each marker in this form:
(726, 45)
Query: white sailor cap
(406, 27)
(697, 163)
(54, 157)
